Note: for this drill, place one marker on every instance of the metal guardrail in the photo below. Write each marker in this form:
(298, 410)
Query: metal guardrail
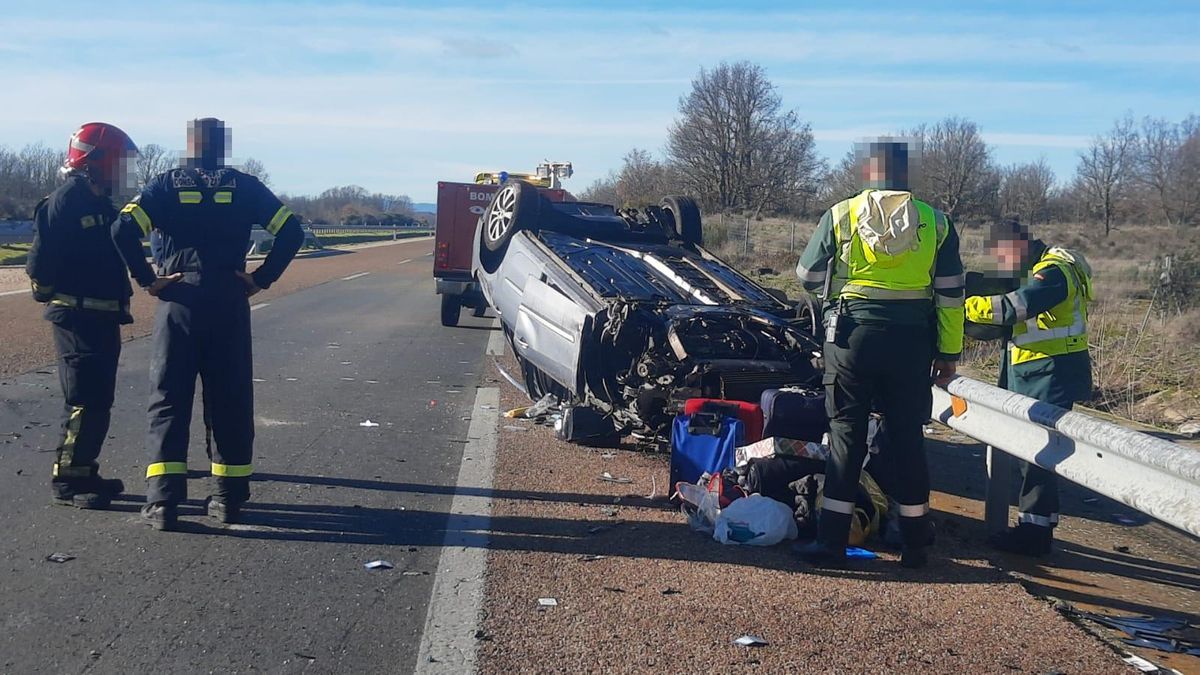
(1156, 477)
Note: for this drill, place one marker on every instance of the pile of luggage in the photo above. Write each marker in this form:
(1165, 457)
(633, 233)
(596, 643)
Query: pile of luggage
(752, 473)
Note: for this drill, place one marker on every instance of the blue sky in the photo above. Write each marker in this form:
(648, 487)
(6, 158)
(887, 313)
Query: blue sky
(396, 96)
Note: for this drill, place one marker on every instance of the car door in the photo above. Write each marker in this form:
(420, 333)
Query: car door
(549, 331)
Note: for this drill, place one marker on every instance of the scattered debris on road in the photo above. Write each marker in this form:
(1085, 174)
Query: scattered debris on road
(368, 423)
(750, 641)
(379, 565)
(609, 478)
(547, 602)
(60, 557)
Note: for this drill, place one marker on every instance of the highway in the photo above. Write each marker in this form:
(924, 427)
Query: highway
(287, 591)
(350, 337)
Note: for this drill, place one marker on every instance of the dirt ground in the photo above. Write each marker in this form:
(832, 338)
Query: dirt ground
(638, 591)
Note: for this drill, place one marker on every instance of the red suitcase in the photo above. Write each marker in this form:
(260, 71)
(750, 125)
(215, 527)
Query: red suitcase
(750, 414)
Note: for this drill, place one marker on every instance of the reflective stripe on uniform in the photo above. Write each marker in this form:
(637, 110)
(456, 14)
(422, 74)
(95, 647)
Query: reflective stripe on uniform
(950, 281)
(912, 510)
(811, 276)
(875, 293)
(139, 214)
(38, 288)
(66, 453)
(190, 197)
(60, 471)
(1020, 309)
(280, 218)
(1035, 519)
(74, 302)
(1035, 333)
(166, 469)
(223, 197)
(837, 505)
(949, 300)
(232, 470)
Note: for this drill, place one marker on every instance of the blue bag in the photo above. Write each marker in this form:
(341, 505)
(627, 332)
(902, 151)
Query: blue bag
(703, 443)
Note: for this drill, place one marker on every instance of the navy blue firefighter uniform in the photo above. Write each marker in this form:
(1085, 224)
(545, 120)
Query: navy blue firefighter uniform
(202, 324)
(74, 269)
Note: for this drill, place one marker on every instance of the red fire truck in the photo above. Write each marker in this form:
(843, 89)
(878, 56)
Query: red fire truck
(459, 206)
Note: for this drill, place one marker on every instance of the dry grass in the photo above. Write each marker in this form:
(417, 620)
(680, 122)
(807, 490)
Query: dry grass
(1145, 346)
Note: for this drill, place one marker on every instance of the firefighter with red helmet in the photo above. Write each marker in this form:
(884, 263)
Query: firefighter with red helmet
(76, 271)
(203, 211)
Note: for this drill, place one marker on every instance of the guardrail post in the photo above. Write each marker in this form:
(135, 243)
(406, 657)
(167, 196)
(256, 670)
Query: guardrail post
(1000, 467)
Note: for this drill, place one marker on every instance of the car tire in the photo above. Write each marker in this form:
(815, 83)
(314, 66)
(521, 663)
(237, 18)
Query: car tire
(451, 306)
(686, 214)
(509, 211)
(810, 313)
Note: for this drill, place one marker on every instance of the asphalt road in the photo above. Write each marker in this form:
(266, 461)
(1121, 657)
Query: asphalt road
(287, 591)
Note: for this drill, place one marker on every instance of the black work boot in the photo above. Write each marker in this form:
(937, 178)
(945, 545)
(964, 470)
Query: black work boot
(916, 535)
(162, 516)
(829, 548)
(224, 510)
(92, 492)
(1024, 539)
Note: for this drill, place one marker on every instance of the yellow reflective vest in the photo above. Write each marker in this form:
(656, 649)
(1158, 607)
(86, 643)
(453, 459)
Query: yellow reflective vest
(1062, 329)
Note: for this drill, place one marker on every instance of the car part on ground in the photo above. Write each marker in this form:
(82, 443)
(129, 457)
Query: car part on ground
(622, 310)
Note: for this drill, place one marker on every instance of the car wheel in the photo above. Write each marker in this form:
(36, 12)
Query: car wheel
(507, 213)
(809, 312)
(451, 306)
(686, 214)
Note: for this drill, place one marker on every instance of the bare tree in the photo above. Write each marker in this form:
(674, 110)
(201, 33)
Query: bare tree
(643, 180)
(1025, 191)
(602, 190)
(1168, 166)
(841, 182)
(956, 170)
(1106, 170)
(255, 168)
(152, 160)
(735, 146)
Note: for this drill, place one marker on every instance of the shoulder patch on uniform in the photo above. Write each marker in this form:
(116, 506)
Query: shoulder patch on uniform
(181, 179)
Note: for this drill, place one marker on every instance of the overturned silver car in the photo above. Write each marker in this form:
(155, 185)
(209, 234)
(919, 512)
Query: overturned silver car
(626, 313)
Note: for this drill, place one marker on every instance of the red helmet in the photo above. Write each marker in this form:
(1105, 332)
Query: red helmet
(102, 151)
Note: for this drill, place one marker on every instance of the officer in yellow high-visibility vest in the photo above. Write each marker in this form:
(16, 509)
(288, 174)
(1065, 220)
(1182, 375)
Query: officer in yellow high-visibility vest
(1046, 356)
(894, 321)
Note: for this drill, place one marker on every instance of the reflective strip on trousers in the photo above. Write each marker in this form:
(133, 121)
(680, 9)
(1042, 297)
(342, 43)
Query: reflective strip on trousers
(912, 510)
(166, 469)
(66, 452)
(837, 505)
(1035, 519)
(232, 470)
(74, 302)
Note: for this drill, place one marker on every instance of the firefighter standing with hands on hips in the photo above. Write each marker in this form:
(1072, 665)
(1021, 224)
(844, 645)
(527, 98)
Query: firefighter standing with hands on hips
(894, 321)
(1046, 356)
(204, 211)
(74, 269)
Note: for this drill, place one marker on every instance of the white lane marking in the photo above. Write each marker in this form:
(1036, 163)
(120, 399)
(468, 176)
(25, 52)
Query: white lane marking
(258, 306)
(428, 255)
(495, 345)
(355, 276)
(448, 643)
(404, 261)
(18, 291)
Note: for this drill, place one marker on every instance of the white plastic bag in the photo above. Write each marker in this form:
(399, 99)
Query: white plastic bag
(755, 520)
(700, 506)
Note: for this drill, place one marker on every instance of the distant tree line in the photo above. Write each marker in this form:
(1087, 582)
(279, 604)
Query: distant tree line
(735, 148)
(31, 173)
